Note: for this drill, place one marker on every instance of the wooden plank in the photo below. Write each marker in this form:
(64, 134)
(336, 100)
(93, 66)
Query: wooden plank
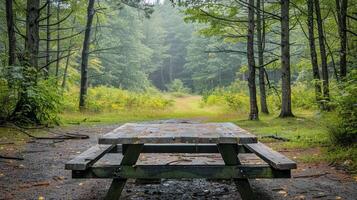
(182, 171)
(273, 158)
(210, 133)
(88, 157)
(184, 148)
(180, 148)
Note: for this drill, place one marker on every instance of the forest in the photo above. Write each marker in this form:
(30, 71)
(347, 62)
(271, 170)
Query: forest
(283, 69)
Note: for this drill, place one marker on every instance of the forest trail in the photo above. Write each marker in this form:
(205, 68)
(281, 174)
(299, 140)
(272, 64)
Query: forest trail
(27, 179)
(193, 106)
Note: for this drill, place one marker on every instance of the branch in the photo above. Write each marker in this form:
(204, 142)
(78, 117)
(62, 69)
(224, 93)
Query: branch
(60, 21)
(352, 17)
(225, 51)
(52, 61)
(64, 38)
(246, 4)
(353, 33)
(221, 18)
(104, 49)
(44, 18)
(44, 6)
(19, 32)
(267, 63)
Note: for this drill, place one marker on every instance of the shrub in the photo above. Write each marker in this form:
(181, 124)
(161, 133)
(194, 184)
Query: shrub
(344, 131)
(46, 99)
(233, 97)
(177, 86)
(110, 99)
(237, 101)
(303, 96)
(40, 100)
(7, 100)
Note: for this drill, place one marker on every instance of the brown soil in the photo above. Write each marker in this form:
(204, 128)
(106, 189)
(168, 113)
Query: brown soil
(41, 175)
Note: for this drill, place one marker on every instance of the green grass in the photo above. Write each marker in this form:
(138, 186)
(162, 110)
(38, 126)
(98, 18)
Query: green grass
(188, 107)
(306, 130)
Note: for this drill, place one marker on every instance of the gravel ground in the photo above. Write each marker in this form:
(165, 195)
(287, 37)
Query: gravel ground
(41, 175)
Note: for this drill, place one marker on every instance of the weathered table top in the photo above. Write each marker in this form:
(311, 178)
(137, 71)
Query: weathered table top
(134, 133)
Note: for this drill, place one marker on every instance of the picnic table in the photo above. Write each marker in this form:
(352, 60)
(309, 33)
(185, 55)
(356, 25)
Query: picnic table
(118, 151)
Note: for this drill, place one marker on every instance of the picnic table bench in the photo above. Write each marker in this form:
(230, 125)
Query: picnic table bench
(240, 156)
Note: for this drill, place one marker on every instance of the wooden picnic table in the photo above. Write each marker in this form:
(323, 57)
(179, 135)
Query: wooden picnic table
(132, 139)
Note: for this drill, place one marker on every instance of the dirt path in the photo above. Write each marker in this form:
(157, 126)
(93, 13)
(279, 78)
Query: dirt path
(42, 174)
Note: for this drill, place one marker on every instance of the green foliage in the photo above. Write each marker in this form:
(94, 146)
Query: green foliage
(42, 99)
(177, 86)
(7, 99)
(303, 96)
(109, 99)
(234, 96)
(45, 98)
(344, 131)
(210, 70)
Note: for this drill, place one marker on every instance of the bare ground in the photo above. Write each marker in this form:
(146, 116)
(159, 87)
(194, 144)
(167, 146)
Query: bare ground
(41, 175)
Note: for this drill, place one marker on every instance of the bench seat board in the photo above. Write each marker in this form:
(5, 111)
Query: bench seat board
(88, 157)
(273, 158)
(134, 133)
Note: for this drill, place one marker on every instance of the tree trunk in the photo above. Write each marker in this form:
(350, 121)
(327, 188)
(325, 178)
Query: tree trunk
(324, 69)
(253, 115)
(23, 113)
(85, 56)
(263, 101)
(58, 39)
(341, 7)
(48, 37)
(32, 32)
(285, 61)
(11, 32)
(64, 80)
(313, 54)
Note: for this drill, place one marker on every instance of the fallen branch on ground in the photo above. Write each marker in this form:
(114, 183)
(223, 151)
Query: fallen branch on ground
(4, 143)
(311, 175)
(60, 136)
(276, 137)
(11, 157)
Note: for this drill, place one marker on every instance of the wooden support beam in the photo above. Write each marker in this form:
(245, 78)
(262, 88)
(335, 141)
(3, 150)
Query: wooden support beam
(230, 157)
(183, 148)
(118, 183)
(182, 171)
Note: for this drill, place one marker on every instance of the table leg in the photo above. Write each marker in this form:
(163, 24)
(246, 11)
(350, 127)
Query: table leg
(230, 156)
(130, 157)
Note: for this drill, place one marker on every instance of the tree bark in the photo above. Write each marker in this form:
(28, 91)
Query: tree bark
(58, 39)
(313, 54)
(85, 56)
(48, 37)
(64, 80)
(253, 115)
(32, 32)
(341, 7)
(324, 69)
(285, 61)
(11, 33)
(263, 101)
(23, 112)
